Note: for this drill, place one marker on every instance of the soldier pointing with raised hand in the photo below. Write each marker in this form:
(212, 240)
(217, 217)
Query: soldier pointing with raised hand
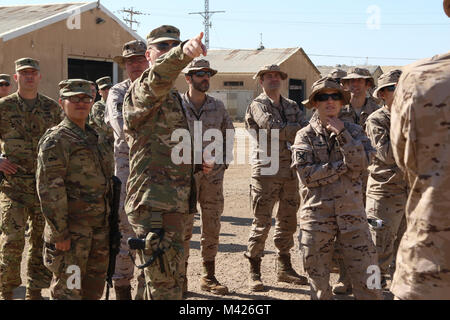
(160, 192)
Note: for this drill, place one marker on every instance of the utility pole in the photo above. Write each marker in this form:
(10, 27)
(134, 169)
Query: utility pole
(261, 46)
(206, 16)
(129, 18)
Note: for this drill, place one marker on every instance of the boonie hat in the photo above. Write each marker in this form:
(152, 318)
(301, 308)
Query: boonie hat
(271, 68)
(131, 49)
(326, 83)
(386, 80)
(199, 64)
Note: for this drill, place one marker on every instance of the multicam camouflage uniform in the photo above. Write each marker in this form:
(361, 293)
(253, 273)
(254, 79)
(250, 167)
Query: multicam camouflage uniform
(420, 138)
(21, 127)
(212, 115)
(74, 184)
(158, 189)
(386, 189)
(97, 115)
(114, 118)
(329, 168)
(349, 114)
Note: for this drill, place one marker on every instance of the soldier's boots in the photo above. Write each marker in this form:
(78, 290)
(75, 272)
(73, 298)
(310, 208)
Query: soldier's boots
(209, 283)
(254, 280)
(123, 292)
(343, 286)
(285, 272)
(6, 295)
(33, 294)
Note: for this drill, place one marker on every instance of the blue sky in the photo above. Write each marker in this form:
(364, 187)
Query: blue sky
(330, 31)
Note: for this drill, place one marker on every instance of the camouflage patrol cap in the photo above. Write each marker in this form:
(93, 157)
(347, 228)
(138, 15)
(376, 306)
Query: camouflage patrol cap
(5, 78)
(163, 33)
(359, 73)
(447, 7)
(271, 68)
(104, 83)
(326, 83)
(73, 87)
(131, 49)
(26, 63)
(386, 80)
(337, 73)
(199, 64)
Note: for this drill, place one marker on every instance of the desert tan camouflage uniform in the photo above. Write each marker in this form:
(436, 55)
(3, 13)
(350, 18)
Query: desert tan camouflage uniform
(74, 185)
(113, 117)
(212, 115)
(97, 115)
(281, 187)
(21, 127)
(329, 168)
(420, 143)
(157, 188)
(386, 189)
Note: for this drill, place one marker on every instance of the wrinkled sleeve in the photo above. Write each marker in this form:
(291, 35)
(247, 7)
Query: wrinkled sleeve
(113, 113)
(227, 124)
(310, 173)
(51, 189)
(265, 120)
(379, 138)
(357, 151)
(403, 133)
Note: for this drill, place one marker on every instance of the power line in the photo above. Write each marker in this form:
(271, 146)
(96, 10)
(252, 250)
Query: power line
(206, 16)
(356, 57)
(129, 17)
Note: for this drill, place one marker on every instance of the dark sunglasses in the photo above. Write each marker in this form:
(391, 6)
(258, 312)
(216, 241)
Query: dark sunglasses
(164, 46)
(390, 88)
(203, 73)
(76, 99)
(4, 84)
(325, 96)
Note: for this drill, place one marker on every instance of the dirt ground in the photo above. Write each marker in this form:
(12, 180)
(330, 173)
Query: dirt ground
(231, 266)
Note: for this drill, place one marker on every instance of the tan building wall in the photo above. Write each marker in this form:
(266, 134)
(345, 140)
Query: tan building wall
(54, 44)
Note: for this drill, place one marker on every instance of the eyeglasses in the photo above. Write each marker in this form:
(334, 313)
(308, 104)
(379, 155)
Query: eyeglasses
(77, 99)
(390, 88)
(4, 84)
(203, 73)
(325, 96)
(164, 46)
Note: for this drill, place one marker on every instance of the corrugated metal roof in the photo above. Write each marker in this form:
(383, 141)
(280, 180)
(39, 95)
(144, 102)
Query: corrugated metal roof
(18, 16)
(247, 61)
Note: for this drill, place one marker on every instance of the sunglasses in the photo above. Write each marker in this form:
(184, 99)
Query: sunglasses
(202, 73)
(164, 46)
(77, 99)
(390, 88)
(4, 84)
(325, 96)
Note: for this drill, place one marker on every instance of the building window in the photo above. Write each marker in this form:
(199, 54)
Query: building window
(233, 83)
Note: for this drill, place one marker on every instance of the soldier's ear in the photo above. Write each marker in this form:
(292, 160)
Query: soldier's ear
(15, 77)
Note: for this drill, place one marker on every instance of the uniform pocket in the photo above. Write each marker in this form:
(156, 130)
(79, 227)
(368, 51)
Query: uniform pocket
(53, 258)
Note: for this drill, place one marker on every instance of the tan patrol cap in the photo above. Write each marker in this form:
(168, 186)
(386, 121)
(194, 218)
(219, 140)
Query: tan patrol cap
(271, 68)
(163, 33)
(326, 83)
(5, 78)
(359, 73)
(337, 73)
(386, 80)
(104, 82)
(26, 63)
(131, 49)
(447, 7)
(73, 87)
(199, 64)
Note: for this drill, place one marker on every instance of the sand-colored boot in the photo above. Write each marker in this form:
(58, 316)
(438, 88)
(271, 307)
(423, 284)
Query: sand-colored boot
(343, 286)
(254, 280)
(209, 282)
(285, 272)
